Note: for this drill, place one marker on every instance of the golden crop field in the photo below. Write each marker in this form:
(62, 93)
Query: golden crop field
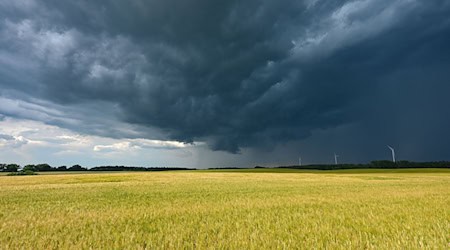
(260, 209)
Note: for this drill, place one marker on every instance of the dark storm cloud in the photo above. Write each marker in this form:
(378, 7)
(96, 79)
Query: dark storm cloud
(236, 73)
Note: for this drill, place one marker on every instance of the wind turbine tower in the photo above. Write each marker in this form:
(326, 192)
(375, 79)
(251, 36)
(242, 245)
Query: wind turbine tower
(300, 161)
(335, 159)
(393, 153)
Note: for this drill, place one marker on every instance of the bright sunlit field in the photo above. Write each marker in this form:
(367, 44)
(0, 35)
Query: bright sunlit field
(263, 209)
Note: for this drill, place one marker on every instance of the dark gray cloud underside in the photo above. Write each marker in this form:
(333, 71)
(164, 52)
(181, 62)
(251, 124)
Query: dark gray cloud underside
(243, 74)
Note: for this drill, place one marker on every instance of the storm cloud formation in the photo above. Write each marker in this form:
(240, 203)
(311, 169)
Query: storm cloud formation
(234, 74)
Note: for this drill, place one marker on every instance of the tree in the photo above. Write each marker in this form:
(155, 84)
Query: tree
(44, 167)
(12, 168)
(77, 168)
(62, 168)
(29, 167)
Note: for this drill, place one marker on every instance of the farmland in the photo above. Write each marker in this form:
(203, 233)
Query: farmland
(248, 209)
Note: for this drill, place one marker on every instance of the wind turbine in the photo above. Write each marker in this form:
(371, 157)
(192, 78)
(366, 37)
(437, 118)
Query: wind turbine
(300, 161)
(335, 158)
(393, 153)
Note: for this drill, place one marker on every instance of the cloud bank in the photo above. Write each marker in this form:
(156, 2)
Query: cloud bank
(235, 74)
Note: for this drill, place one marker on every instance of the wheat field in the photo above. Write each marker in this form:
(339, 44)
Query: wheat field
(258, 209)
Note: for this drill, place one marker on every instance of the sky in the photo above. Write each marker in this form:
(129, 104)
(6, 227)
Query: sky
(201, 83)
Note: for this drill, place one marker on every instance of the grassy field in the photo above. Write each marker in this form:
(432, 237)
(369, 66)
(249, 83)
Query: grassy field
(260, 209)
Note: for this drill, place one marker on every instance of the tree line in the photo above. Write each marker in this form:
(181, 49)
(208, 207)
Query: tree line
(39, 168)
(375, 164)
(47, 168)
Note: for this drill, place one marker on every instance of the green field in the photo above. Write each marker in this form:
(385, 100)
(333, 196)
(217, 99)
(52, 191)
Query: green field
(258, 209)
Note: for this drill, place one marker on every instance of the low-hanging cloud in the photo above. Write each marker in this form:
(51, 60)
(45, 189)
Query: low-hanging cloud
(235, 74)
(137, 144)
(11, 141)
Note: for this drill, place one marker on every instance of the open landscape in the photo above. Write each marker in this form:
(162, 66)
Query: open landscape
(200, 124)
(232, 209)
